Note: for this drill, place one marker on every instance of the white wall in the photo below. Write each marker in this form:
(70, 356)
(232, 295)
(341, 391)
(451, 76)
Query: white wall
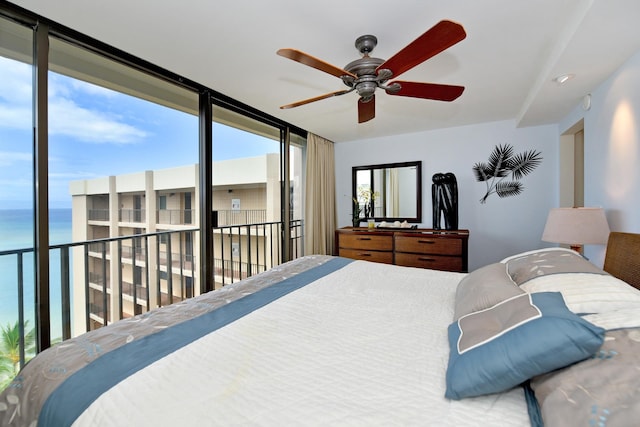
(612, 150)
(499, 228)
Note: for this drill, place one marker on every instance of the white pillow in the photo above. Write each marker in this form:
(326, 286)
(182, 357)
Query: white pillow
(535, 251)
(484, 288)
(586, 293)
(618, 319)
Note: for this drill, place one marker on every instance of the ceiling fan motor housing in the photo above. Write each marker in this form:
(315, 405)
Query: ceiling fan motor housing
(368, 80)
(365, 68)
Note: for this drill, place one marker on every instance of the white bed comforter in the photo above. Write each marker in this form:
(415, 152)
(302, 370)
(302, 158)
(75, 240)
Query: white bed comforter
(363, 346)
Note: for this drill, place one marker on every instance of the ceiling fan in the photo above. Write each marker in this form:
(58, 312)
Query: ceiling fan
(366, 74)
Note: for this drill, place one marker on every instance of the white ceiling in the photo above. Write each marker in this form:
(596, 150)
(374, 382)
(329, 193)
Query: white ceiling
(512, 52)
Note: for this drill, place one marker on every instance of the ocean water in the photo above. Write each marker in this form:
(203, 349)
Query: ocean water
(16, 232)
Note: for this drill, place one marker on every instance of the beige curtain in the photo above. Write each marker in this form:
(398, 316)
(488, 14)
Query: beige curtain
(320, 196)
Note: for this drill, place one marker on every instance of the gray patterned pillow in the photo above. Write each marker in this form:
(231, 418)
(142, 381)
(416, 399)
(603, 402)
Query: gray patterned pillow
(484, 288)
(532, 265)
(601, 390)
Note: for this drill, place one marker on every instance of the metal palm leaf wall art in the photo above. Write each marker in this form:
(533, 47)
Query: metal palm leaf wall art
(504, 170)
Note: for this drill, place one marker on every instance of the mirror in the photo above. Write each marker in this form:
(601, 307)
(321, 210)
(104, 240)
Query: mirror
(396, 190)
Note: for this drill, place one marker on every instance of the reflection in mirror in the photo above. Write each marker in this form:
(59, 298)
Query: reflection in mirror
(388, 192)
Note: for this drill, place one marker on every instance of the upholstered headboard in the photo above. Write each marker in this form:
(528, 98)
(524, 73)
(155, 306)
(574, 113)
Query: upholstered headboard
(622, 258)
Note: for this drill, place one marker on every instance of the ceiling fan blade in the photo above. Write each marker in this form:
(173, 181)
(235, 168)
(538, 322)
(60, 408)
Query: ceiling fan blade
(317, 98)
(314, 62)
(438, 92)
(440, 37)
(366, 110)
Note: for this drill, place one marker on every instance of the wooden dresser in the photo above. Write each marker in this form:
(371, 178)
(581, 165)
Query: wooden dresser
(424, 248)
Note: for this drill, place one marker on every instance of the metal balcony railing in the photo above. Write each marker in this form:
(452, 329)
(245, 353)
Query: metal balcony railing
(140, 291)
(98, 279)
(159, 273)
(140, 251)
(99, 248)
(98, 214)
(175, 216)
(241, 217)
(224, 217)
(132, 215)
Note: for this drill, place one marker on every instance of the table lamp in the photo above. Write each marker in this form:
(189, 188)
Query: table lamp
(576, 227)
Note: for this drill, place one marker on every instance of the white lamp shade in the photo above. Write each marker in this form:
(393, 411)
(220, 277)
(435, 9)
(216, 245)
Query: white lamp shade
(576, 226)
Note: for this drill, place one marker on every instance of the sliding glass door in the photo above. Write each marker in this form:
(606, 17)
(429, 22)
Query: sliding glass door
(123, 154)
(249, 195)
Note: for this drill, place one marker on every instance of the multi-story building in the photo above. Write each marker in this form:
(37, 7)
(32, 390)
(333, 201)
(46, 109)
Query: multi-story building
(134, 274)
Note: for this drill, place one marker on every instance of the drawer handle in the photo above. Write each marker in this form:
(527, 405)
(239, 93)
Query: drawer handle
(426, 259)
(364, 238)
(431, 242)
(365, 254)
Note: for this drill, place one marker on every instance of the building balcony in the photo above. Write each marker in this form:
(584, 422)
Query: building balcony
(141, 292)
(101, 215)
(175, 216)
(241, 217)
(128, 253)
(184, 262)
(136, 216)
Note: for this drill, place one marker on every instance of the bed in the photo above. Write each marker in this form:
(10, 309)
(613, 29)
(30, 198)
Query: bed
(539, 338)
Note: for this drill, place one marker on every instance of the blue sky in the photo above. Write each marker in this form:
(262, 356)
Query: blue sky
(95, 132)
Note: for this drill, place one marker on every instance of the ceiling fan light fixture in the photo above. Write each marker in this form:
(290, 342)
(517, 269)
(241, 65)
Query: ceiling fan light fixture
(563, 78)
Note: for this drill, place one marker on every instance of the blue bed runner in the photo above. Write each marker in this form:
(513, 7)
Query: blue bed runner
(79, 391)
(532, 406)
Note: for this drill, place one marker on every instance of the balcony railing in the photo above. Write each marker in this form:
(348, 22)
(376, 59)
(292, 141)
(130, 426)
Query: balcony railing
(240, 217)
(98, 279)
(140, 291)
(132, 215)
(161, 273)
(224, 217)
(128, 252)
(175, 216)
(98, 215)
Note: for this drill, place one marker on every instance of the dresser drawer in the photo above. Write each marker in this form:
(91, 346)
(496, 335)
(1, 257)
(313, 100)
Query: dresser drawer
(428, 245)
(375, 256)
(422, 248)
(434, 262)
(375, 242)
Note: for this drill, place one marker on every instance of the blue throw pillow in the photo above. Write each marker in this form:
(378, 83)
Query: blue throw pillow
(498, 348)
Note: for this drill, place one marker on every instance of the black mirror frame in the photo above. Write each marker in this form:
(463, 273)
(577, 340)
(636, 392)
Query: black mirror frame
(417, 164)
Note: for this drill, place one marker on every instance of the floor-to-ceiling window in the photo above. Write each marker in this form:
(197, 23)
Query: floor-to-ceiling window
(117, 138)
(122, 188)
(248, 197)
(16, 198)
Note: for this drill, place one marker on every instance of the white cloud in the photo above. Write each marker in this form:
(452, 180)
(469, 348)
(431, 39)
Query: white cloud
(18, 182)
(91, 89)
(73, 175)
(15, 117)
(66, 117)
(57, 88)
(15, 84)
(10, 157)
